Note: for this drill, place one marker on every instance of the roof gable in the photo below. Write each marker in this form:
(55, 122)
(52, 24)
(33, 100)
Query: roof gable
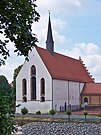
(64, 67)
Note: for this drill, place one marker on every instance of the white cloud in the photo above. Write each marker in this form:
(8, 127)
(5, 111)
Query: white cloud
(89, 48)
(59, 23)
(40, 29)
(8, 69)
(11, 63)
(93, 63)
(59, 10)
(59, 39)
(64, 6)
(90, 54)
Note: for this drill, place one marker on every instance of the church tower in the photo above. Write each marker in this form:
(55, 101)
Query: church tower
(49, 41)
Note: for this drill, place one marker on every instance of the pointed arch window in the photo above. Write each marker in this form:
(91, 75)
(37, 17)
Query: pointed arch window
(24, 90)
(33, 82)
(33, 71)
(42, 90)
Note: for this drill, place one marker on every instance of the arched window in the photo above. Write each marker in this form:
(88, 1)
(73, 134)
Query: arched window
(24, 90)
(42, 90)
(86, 99)
(33, 71)
(33, 82)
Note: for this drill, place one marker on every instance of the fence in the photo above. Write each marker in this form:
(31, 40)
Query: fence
(71, 107)
(92, 109)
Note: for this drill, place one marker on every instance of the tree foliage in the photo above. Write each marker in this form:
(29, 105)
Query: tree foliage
(4, 85)
(16, 18)
(16, 71)
(6, 107)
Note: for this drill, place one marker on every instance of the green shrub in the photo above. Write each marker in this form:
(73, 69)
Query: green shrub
(68, 112)
(52, 112)
(38, 113)
(24, 110)
(99, 115)
(85, 113)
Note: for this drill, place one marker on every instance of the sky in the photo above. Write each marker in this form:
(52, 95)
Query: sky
(76, 27)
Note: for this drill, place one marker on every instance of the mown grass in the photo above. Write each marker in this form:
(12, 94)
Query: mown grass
(28, 119)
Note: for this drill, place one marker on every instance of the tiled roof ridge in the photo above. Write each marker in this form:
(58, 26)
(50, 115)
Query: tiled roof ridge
(54, 58)
(59, 54)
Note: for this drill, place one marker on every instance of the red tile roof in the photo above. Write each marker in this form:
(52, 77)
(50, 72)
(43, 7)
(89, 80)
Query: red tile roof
(64, 67)
(92, 88)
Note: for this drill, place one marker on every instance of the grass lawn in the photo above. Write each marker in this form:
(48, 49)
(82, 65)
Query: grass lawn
(21, 120)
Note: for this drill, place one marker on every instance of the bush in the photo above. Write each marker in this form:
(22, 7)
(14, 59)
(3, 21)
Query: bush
(68, 112)
(99, 115)
(24, 110)
(38, 113)
(52, 112)
(85, 113)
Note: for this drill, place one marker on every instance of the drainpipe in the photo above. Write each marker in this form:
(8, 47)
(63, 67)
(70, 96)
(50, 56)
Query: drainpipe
(68, 93)
(52, 93)
(79, 95)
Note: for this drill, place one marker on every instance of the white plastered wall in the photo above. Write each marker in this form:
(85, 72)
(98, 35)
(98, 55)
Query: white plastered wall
(66, 91)
(41, 72)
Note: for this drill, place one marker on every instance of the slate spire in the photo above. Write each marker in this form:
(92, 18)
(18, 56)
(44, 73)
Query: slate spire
(49, 41)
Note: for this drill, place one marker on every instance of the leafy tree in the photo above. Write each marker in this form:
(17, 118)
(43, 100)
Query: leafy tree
(16, 71)
(4, 85)
(16, 18)
(6, 89)
(6, 107)
(6, 121)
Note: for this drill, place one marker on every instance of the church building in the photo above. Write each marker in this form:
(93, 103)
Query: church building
(50, 80)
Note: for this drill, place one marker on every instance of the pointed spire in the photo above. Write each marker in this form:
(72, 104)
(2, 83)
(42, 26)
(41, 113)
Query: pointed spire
(49, 41)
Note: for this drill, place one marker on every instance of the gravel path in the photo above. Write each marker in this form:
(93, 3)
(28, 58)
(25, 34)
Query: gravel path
(56, 128)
